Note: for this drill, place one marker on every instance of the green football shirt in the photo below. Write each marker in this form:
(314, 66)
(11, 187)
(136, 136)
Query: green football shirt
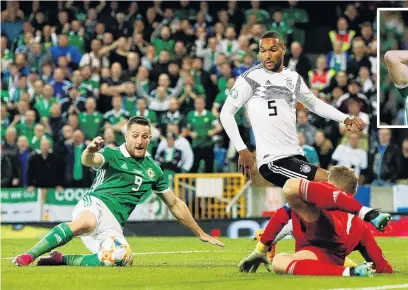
(43, 106)
(201, 124)
(90, 124)
(129, 104)
(113, 118)
(123, 181)
(23, 129)
(404, 94)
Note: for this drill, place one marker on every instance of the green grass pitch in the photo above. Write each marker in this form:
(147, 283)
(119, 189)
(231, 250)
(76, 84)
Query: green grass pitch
(186, 263)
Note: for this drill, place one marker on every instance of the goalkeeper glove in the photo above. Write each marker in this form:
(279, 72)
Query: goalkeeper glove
(259, 256)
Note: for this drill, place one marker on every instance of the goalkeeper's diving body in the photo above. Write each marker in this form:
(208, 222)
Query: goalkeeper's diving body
(328, 224)
(124, 176)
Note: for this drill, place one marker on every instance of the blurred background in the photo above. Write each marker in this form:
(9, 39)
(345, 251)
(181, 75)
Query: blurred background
(71, 71)
(394, 36)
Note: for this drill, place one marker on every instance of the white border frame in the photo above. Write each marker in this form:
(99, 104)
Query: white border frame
(378, 69)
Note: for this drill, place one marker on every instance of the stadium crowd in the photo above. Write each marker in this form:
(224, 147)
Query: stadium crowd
(81, 74)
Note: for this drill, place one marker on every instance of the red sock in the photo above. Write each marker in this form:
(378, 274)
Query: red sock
(325, 196)
(313, 268)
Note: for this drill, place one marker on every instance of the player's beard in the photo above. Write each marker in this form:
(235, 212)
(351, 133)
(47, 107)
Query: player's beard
(276, 66)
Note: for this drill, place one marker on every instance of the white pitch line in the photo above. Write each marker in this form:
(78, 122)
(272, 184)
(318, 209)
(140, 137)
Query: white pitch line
(161, 253)
(396, 286)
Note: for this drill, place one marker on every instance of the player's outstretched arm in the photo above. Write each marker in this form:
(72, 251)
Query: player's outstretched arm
(372, 252)
(90, 157)
(397, 64)
(180, 211)
(317, 106)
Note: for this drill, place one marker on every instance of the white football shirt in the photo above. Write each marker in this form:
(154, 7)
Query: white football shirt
(356, 158)
(270, 100)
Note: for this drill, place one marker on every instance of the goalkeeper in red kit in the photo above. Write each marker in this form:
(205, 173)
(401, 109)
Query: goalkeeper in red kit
(328, 224)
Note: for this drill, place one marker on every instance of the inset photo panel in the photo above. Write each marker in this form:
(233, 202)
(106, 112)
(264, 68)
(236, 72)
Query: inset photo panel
(392, 87)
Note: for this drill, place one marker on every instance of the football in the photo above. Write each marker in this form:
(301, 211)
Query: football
(115, 251)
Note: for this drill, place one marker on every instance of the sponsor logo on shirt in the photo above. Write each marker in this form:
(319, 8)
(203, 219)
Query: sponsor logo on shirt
(150, 173)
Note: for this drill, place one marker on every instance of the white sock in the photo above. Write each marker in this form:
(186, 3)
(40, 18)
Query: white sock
(363, 211)
(346, 272)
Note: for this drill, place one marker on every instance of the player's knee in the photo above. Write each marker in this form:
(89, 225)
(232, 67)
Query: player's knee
(280, 263)
(290, 189)
(85, 223)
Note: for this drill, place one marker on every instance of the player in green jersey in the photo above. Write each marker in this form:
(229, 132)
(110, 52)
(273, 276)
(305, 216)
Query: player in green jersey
(397, 63)
(125, 175)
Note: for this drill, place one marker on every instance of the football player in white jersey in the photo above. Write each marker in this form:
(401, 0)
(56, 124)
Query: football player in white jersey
(269, 93)
(397, 64)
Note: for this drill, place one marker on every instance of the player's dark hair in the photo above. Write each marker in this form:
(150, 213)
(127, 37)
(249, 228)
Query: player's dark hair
(138, 120)
(272, 34)
(344, 178)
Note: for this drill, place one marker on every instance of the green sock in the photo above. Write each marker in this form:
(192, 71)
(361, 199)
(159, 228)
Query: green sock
(82, 260)
(58, 236)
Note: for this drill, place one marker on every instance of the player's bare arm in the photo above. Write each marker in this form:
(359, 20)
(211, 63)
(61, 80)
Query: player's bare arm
(180, 211)
(397, 64)
(90, 157)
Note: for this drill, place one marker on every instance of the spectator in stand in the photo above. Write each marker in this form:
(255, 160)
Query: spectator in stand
(305, 127)
(353, 93)
(352, 16)
(320, 77)
(324, 149)
(248, 62)
(132, 67)
(90, 121)
(39, 135)
(45, 169)
(165, 42)
(351, 155)
(210, 53)
(73, 103)
(342, 33)
(109, 138)
(23, 155)
(294, 14)
(64, 49)
(55, 121)
(130, 98)
(403, 177)
(161, 66)
(180, 143)
(309, 151)
(76, 174)
(367, 33)
(358, 59)
(173, 116)
(43, 103)
(202, 126)
(297, 60)
(9, 174)
(190, 92)
(365, 81)
(337, 58)
(169, 158)
(116, 119)
(111, 86)
(279, 25)
(143, 111)
(94, 60)
(10, 146)
(36, 57)
(60, 84)
(76, 36)
(262, 15)
(386, 160)
(25, 126)
(185, 34)
(229, 45)
(159, 102)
